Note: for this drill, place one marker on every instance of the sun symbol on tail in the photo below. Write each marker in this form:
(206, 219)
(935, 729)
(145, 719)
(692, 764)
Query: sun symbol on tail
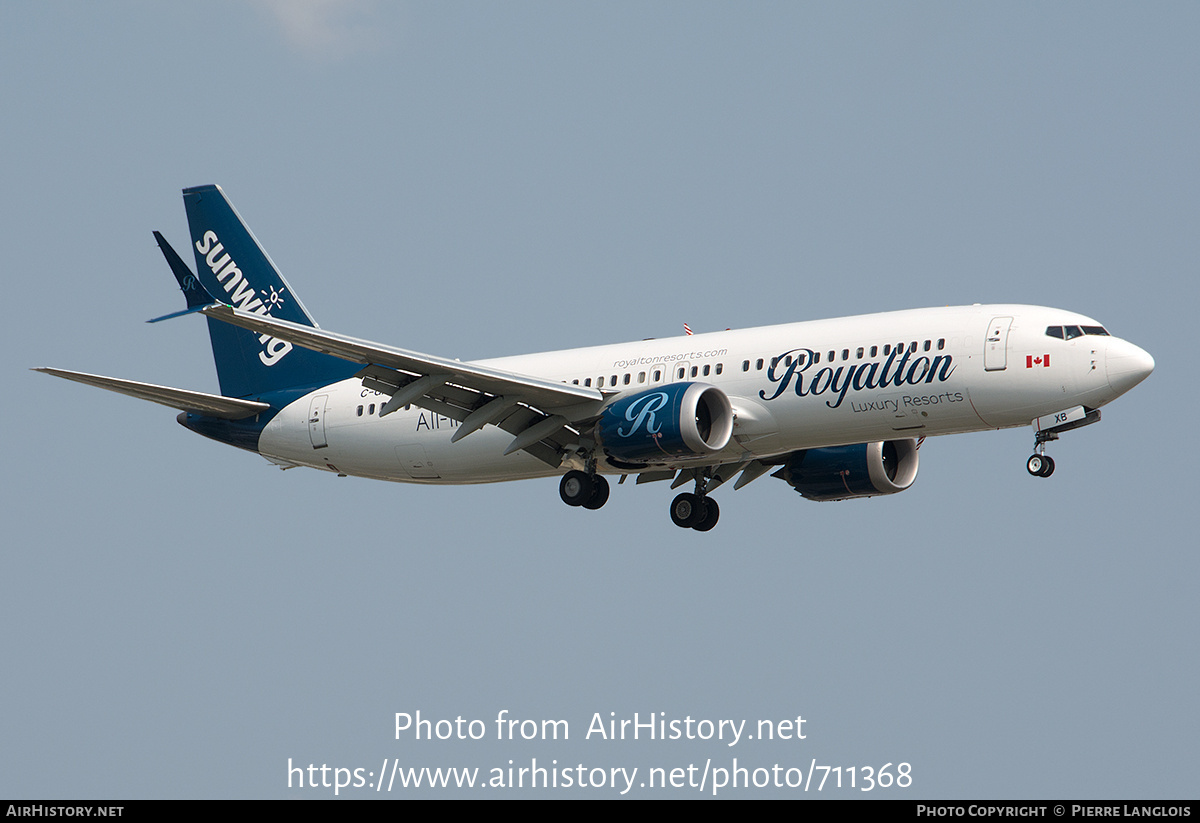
(273, 299)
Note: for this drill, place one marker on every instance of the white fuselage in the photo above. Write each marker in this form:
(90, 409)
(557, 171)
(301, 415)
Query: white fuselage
(922, 372)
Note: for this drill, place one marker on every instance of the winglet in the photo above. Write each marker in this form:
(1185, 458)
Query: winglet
(195, 293)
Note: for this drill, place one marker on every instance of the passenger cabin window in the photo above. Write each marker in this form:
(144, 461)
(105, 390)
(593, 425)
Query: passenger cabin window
(745, 365)
(759, 364)
(874, 351)
(681, 373)
(858, 354)
(941, 343)
(720, 366)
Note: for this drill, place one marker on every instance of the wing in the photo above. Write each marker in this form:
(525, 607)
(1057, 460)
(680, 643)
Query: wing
(212, 405)
(538, 412)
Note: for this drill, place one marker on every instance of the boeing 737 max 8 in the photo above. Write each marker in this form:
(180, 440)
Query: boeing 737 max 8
(836, 408)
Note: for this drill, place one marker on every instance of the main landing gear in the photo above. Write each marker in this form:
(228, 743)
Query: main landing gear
(1039, 463)
(694, 511)
(690, 510)
(582, 489)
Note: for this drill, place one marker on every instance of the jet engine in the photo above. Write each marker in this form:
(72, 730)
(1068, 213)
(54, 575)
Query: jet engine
(843, 472)
(665, 422)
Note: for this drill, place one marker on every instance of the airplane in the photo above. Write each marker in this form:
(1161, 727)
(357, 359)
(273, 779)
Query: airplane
(836, 408)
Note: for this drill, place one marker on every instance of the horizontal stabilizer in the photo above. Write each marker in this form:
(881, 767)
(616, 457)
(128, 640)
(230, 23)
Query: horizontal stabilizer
(211, 405)
(175, 314)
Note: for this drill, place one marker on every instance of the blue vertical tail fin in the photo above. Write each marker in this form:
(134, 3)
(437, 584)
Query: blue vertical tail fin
(232, 266)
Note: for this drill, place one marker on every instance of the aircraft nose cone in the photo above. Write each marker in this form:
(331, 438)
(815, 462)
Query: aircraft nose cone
(1127, 365)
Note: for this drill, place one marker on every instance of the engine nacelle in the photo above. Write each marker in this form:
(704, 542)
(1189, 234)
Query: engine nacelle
(843, 472)
(665, 422)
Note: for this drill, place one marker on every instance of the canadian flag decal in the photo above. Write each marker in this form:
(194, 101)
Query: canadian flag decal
(1031, 361)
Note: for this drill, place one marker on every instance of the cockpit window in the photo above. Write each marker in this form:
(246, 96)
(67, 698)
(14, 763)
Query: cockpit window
(1071, 332)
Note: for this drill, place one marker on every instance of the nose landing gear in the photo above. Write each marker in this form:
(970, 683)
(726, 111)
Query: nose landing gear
(1039, 463)
(1048, 427)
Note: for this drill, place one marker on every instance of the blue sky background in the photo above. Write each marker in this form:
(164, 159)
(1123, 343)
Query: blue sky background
(473, 180)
